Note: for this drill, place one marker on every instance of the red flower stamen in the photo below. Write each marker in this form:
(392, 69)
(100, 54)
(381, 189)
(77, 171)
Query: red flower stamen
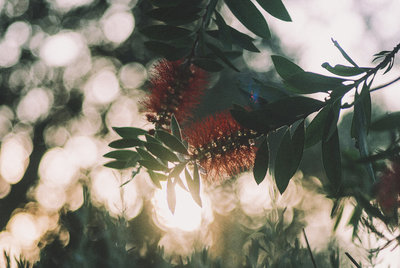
(175, 89)
(389, 188)
(221, 146)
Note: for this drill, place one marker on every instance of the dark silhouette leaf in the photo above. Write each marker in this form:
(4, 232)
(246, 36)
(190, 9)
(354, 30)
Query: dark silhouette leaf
(343, 70)
(261, 162)
(275, 8)
(386, 122)
(207, 64)
(165, 32)
(285, 68)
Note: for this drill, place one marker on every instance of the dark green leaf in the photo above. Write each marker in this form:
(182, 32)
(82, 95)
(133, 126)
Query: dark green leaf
(165, 32)
(175, 128)
(221, 55)
(261, 162)
(247, 13)
(169, 3)
(207, 64)
(308, 82)
(194, 187)
(150, 138)
(122, 154)
(344, 54)
(175, 16)
(343, 70)
(161, 152)
(125, 143)
(166, 50)
(152, 165)
(129, 132)
(284, 67)
(332, 119)
(224, 31)
(386, 122)
(238, 38)
(275, 8)
(315, 128)
(331, 158)
(119, 164)
(298, 144)
(210, 9)
(156, 178)
(286, 163)
(171, 195)
(172, 142)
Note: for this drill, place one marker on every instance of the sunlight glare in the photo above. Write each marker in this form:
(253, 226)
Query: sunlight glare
(118, 26)
(23, 228)
(103, 87)
(34, 105)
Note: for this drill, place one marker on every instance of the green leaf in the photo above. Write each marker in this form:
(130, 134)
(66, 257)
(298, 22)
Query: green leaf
(177, 170)
(156, 178)
(165, 32)
(125, 143)
(161, 152)
(150, 138)
(343, 70)
(175, 128)
(308, 82)
(238, 38)
(221, 55)
(194, 187)
(119, 164)
(247, 13)
(169, 3)
(210, 9)
(332, 119)
(149, 162)
(386, 122)
(175, 16)
(122, 154)
(284, 67)
(129, 132)
(207, 64)
(261, 161)
(172, 142)
(344, 54)
(331, 157)
(166, 50)
(315, 128)
(171, 195)
(224, 31)
(275, 8)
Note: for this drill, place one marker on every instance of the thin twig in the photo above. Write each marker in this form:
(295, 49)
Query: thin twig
(385, 85)
(352, 260)
(309, 249)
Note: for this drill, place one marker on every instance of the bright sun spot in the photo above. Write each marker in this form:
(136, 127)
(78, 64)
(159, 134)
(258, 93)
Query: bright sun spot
(188, 215)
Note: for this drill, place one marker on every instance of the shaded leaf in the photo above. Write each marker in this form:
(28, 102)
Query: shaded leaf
(175, 16)
(386, 122)
(171, 195)
(122, 154)
(247, 13)
(207, 64)
(169, 3)
(284, 67)
(129, 132)
(238, 38)
(161, 152)
(166, 50)
(315, 128)
(125, 143)
(343, 70)
(165, 32)
(156, 178)
(221, 55)
(261, 161)
(149, 162)
(224, 31)
(275, 8)
(177, 170)
(119, 164)
(210, 9)
(150, 138)
(175, 128)
(194, 187)
(172, 142)
(331, 158)
(308, 82)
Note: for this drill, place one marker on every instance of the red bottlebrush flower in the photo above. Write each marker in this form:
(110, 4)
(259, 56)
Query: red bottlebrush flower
(176, 89)
(221, 146)
(388, 194)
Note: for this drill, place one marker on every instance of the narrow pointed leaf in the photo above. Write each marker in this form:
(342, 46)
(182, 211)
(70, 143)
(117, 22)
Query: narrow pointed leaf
(175, 128)
(344, 54)
(129, 132)
(150, 138)
(315, 129)
(343, 70)
(283, 169)
(155, 178)
(174, 16)
(118, 164)
(122, 154)
(172, 142)
(309, 82)
(225, 33)
(177, 170)
(285, 68)
(152, 165)
(261, 162)
(194, 188)
(171, 196)
(126, 143)
(207, 64)
(275, 8)
(161, 152)
(332, 160)
(248, 14)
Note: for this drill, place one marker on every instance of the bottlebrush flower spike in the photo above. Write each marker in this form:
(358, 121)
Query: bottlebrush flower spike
(176, 89)
(221, 146)
(388, 196)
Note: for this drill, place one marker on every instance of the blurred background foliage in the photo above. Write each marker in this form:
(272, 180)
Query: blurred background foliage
(70, 70)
